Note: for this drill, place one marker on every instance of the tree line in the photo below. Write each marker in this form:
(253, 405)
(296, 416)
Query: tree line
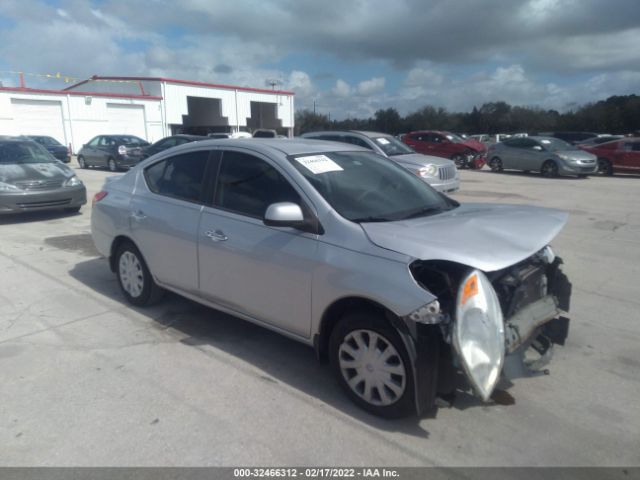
(615, 115)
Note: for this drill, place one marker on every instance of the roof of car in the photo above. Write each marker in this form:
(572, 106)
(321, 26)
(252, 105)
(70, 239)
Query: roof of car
(288, 146)
(189, 136)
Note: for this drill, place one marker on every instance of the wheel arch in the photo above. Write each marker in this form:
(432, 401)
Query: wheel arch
(334, 312)
(117, 242)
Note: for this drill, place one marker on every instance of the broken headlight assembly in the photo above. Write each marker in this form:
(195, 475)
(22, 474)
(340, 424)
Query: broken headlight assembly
(478, 332)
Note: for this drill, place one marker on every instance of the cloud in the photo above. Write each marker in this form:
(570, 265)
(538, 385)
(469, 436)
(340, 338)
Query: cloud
(342, 89)
(371, 87)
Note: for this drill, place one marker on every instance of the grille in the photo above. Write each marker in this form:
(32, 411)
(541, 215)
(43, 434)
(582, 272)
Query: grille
(447, 172)
(39, 184)
(52, 203)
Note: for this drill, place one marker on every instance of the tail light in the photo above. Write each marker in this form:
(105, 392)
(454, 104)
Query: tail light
(98, 196)
(122, 150)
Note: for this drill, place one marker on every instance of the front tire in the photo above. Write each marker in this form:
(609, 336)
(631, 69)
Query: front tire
(605, 167)
(81, 162)
(495, 164)
(134, 277)
(111, 163)
(459, 160)
(549, 169)
(371, 364)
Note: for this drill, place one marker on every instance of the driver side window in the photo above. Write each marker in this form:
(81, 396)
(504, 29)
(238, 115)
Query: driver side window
(248, 185)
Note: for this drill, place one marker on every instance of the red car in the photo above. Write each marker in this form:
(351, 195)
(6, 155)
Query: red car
(466, 152)
(619, 156)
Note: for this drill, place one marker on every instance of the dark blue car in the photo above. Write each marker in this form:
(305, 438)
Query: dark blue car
(54, 147)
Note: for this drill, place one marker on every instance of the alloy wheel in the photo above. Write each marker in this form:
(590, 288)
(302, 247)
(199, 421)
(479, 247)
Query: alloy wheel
(372, 367)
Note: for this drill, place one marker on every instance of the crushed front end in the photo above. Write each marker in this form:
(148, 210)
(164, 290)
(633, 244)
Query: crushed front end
(486, 319)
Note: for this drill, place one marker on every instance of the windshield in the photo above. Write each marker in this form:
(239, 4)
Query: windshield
(130, 141)
(46, 141)
(555, 144)
(452, 137)
(365, 187)
(24, 152)
(391, 146)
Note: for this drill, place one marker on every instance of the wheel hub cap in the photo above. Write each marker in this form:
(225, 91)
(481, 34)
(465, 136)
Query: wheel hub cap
(372, 367)
(131, 275)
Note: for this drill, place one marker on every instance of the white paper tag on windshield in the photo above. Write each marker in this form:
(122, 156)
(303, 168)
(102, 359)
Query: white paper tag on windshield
(383, 141)
(545, 141)
(319, 164)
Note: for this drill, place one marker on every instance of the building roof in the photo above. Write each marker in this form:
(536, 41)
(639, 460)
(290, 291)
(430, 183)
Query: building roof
(180, 82)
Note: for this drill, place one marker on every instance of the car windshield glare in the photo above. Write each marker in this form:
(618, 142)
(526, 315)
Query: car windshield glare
(365, 187)
(391, 146)
(454, 138)
(24, 152)
(556, 145)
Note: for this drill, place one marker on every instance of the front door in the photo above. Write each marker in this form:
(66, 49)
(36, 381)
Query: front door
(260, 271)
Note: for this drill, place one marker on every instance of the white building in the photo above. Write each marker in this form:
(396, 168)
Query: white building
(150, 108)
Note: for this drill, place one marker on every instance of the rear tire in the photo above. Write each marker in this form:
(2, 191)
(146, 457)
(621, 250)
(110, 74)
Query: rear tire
(134, 277)
(495, 164)
(371, 364)
(605, 167)
(81, 162)
(549, 169)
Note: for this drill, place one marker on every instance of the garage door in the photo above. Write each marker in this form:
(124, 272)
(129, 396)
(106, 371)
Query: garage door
(126, 119)
(38, 117)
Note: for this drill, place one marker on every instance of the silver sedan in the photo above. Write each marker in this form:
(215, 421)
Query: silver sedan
(346, 251)
(547, 155)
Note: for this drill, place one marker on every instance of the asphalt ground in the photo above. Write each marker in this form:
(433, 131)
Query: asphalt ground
(87, 380)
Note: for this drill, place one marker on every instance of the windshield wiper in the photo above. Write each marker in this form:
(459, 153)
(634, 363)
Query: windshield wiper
(371, 219)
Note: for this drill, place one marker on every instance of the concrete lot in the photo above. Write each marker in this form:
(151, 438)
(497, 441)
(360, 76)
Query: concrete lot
(88, 380)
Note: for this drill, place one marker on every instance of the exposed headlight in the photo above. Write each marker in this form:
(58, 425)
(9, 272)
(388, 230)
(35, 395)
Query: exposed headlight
(478, 333)
(72, 182)
(122, 150)
(7, 187)
(428, 171)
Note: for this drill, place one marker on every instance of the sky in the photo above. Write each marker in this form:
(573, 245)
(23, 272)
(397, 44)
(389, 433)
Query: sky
(348, 57)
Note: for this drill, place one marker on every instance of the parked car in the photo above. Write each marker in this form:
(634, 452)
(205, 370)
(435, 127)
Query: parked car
(593, 141)
(345, 251)
(439, 173)
(31, 179)
(548, 155)
(618, 156)
(487, 139)
(115, 152)
(168, 142)
(465, 152)
(53, 146)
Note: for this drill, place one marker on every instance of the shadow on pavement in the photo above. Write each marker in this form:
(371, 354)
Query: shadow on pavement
(282, 360)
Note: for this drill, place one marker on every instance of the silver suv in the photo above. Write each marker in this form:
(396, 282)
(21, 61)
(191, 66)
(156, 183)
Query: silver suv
(440, 173)
(346, 251)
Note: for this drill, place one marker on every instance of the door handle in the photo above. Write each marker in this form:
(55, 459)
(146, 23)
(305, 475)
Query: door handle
(138, 215)
(216, 236)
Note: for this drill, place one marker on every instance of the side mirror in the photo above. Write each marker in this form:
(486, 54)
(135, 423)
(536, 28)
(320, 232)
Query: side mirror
(284, 214)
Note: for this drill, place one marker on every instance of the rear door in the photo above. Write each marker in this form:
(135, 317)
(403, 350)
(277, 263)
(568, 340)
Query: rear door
(165, 215)
(260, 271)
(630, 158)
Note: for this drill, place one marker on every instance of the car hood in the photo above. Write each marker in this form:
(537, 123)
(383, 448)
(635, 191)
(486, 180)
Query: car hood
(419, 160)
(484, 236)
(577, 154)
(16, 172)
(475, 145)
